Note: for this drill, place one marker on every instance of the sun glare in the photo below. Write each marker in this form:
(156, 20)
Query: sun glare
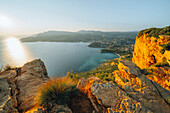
(15, 48)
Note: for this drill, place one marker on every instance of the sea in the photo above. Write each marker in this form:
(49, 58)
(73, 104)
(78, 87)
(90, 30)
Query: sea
(58, 57)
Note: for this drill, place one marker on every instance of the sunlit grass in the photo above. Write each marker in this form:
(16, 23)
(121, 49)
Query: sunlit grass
(57, 91)
(6, 68)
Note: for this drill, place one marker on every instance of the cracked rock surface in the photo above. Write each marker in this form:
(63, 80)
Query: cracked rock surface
(19, 87)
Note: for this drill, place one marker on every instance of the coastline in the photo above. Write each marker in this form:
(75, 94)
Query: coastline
(109, 51)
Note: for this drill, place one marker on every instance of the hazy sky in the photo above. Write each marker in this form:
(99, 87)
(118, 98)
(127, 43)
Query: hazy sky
(19, 17)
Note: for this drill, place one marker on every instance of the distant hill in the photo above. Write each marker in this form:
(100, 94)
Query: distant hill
(80, 36)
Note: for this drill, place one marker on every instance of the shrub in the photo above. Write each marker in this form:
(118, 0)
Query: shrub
(161, 64)
(155, 32)
(165, 47)
(125, 80)
(162, 51)
(58, 91)
(7, 67)
(146, 71)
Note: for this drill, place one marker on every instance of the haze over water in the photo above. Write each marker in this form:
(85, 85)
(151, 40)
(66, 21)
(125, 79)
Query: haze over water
(59, 57)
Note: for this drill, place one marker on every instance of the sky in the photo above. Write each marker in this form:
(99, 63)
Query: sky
(25, 17)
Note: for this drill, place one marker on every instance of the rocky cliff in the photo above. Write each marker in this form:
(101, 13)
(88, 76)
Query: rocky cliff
(152, 53)
(18, 87)
(131, 92)
(147, 50)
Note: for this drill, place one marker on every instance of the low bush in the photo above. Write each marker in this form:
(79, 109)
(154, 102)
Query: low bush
(57, 91)
(146, 71)
(165, 47)
(155, 32)
(6, 68)
(161, 64)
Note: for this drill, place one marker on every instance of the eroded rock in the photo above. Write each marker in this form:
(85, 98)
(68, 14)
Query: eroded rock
(138, 94)
(147, 50)
(19, 87)
(8, 102)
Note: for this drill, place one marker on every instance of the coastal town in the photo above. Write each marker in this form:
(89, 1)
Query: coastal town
(122, 47)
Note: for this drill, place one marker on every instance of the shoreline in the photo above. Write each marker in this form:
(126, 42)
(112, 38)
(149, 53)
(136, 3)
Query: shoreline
(109, 51)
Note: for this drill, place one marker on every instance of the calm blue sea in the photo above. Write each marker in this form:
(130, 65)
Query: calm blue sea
(59, 57)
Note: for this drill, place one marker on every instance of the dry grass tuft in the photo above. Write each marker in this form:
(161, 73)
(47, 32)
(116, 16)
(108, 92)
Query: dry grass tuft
(57, 91)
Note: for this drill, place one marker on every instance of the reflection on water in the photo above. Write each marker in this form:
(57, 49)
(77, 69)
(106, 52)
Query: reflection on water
(15, 48)
(59, 57)
(16, 51)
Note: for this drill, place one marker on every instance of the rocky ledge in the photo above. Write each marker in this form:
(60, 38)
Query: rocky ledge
(18, 87)
(131, 92)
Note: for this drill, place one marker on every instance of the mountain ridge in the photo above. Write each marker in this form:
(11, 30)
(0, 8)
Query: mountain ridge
(80, 36)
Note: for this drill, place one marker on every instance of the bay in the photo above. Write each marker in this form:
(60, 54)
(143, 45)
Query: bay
(59, 57)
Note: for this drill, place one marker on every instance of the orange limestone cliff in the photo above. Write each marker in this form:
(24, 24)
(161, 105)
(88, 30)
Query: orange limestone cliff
(148, 50)
(152, 54)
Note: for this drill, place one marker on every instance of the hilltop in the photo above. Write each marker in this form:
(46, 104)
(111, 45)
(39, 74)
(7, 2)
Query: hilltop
(80, 36)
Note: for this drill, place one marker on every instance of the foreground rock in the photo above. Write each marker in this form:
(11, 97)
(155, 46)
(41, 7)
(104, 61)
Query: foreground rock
(135, 94)
(18, 88)
(131, 92)
(8, 102)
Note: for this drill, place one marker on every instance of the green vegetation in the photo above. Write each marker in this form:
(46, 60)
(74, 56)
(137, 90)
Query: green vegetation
(147, 71)
(120, 52)
(155, 32)
(58, 91)
(125, 80)
(161, 64)
(98, 45)
(6, 68)
(104, 71)
(165, 47)
(126, 55)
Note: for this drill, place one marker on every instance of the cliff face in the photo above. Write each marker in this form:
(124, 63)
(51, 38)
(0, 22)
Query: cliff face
(152, 53)
(147, 50)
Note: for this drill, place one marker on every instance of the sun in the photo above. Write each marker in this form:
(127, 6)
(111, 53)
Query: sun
(5, 22)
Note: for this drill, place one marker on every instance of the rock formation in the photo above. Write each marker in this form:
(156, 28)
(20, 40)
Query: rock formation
(131, 91)
(18, 87)
(137, 94)
(147, 50)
